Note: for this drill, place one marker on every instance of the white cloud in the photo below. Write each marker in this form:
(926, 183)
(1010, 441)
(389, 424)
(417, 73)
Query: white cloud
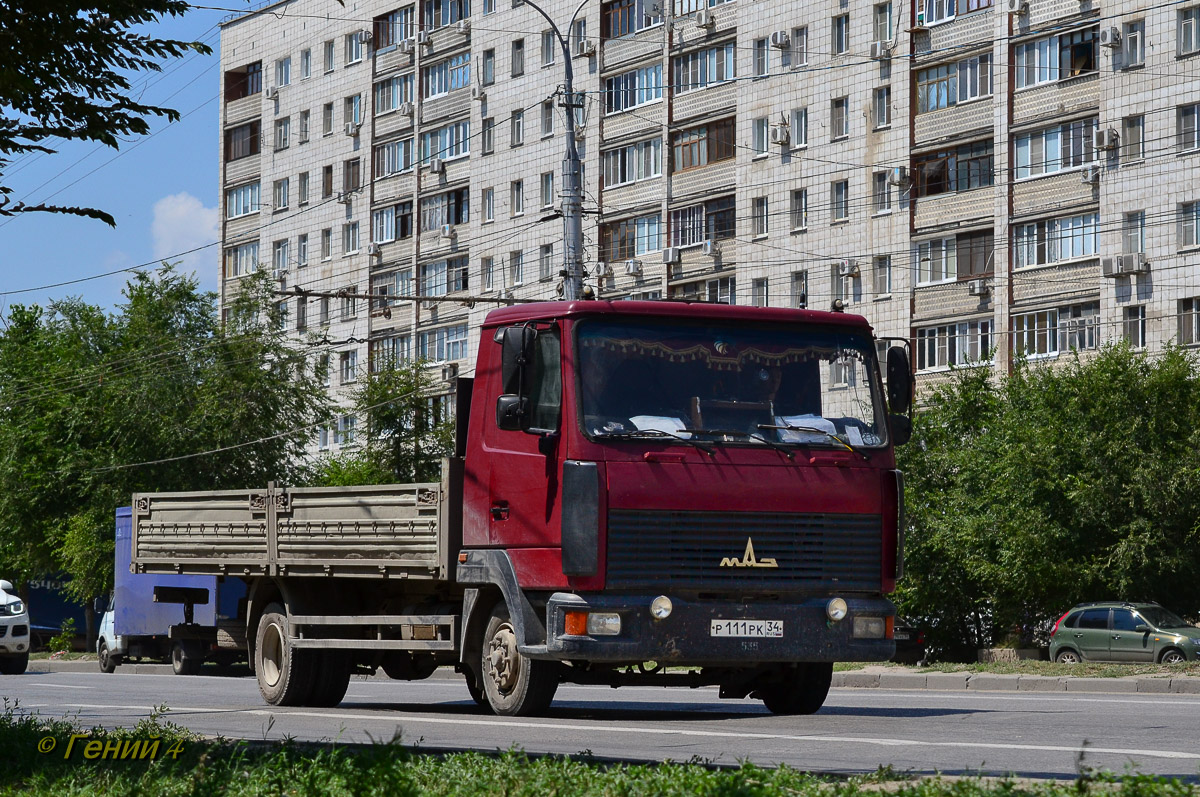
(181, 223)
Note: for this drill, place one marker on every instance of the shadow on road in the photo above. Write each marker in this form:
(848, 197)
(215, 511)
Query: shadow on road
(898, 713)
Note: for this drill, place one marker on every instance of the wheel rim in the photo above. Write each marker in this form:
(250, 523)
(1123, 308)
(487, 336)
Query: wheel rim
(503, 659)
(103, 656)
(1068, 658)
(1172, 658)
(272, 654)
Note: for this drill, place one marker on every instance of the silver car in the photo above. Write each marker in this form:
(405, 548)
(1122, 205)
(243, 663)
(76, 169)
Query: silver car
(14, 631)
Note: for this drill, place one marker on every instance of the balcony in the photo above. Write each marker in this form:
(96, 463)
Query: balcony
(947, 37)
(456, 104)
(705, 181)
(953, 209)
(628, 50)
(704, 102)
(1055, 100)
(944, 300)
(957, 120)
(244, 109)
(1076, 279)
(644, 193)
(1053, 193)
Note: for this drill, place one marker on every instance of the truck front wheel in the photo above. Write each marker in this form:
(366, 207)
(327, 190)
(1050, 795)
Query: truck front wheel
(797, 689)
(285, 675)
(515, 686)
(108, 662)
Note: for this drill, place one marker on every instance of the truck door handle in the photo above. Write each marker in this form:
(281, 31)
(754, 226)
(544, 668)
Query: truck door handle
(500, 510)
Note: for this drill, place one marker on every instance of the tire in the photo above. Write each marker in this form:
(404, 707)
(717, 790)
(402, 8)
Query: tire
(1172, 656)
(285, 675)
(108, 662)
(331, 679)
(185, 657)
(515, 686)
(1068, 656)
(476, 692)
(15, 664)
(800, 690)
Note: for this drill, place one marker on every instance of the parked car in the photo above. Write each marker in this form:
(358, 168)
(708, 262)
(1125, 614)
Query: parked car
(1122, 631)
(910, 643)
(14, 631)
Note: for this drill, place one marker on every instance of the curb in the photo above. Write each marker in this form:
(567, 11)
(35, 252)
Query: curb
(988, 682)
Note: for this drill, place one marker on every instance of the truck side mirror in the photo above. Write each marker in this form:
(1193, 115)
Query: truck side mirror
(899, 381)
(511, 412)
(516, 357)
(901, 429)
(100, 605)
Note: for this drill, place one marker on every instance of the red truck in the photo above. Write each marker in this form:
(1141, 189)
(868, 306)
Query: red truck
(641, 493)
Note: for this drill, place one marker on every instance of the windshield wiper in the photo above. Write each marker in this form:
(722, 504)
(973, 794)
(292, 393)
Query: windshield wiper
(739, 433)
(644, 433)
(791, 428)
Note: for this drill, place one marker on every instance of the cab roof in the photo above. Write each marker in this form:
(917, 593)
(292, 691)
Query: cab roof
(683, 310)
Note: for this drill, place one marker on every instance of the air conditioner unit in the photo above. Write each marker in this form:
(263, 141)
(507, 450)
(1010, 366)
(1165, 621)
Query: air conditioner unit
(671, 255)
(1104, 138)
(406, 46)
(709, 249)
(373, 249)
(477, 93)
(705, 19)
(365, 36)
(463, 27)
(1090, 175)
(848, 268)
(423, 37)
(449, 372)
(1135, 263)
(881, 50)
(272, 93)
(352, 129)
(437, 166)
(633, 267)
(780, 134)
(405, 109)
(603, 269)
(1016, 6)
(447, 230)
(585, 47)
(781, 39)
(1110, 37)
(978, 288)
(345, 197)
(898, 175)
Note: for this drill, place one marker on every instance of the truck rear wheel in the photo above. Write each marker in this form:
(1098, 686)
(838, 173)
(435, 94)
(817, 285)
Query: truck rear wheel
(799, 689)
(331, 680)
(186, 657)
(284, 674)
(515, 686)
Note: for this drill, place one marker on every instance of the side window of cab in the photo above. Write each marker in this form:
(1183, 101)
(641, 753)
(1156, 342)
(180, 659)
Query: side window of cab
(546, 382)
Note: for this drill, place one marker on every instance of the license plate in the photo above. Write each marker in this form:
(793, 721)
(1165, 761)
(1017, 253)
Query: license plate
(901, 635)
(747, 628)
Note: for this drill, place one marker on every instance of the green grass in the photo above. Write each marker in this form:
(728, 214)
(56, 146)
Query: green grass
(238, 768)
(1030, 667)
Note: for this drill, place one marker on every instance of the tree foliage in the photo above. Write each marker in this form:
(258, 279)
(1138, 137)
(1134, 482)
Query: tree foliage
(66, 74)
(1055, 485)
(87, 397)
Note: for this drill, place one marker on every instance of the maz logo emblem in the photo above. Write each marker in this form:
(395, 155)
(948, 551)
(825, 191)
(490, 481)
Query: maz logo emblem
(748, 559)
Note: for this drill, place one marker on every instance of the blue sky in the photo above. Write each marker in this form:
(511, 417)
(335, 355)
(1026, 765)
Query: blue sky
(162, 189)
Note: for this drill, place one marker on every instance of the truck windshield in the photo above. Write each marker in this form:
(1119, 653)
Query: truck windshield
(729, 383)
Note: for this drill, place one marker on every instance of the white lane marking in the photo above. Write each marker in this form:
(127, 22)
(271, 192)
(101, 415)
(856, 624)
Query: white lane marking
(1038, 697)
(62, 686)
(630, 729)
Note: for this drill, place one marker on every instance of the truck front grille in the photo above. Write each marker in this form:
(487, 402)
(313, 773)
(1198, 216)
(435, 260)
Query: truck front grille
(685, 550)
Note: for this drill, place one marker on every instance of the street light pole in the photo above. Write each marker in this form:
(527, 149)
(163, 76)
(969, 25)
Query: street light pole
(572, 187)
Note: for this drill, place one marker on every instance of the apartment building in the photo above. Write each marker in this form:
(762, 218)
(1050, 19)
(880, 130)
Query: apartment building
(987, 181)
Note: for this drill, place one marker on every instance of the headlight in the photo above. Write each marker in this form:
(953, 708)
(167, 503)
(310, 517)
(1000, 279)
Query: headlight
(836, 609)
(16, 607)
(603, 624)
(661, 608)
(1196, 641)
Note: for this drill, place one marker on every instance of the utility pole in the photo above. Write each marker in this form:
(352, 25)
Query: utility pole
(572, 187)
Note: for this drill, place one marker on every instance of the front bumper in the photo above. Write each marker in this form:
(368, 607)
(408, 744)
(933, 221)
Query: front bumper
(14, 634)
(684, 638)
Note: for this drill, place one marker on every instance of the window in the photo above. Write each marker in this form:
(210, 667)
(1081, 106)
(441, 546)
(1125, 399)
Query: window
(633, 88)
(391, 92)
(516, 197)
(949, 84)
(546, 261)
(623, 18)
(799, 127)
(301, 314)
(351, 175)
(242, 141)
(1188, 127)
(385, 352)
(954, 344)
(348, 366)
(446, 76)
(392, 223)
(516, 131)
(488, 74)
(1189, 30)
(1135, 326)
(623, 240)
(937, 10)
(800, 46)
(1054, 149)
(283, 71)
(345, 429)
(759, 216)
(758, 292)
(549, 43)
(1189, 224)
(350, 237)
(881, 275)
(393, 157)
(633, 162)
(516, 268)
(975, 255)
(1132, 137)
(305, 125)
(881, 22)
(327, 243)
(302, 249)
(840, 34)
(1050, 241)
(1189, 321)
(761, 62)
(302, 189)
(547, 184)
(349, 303)
(1133, 43)
(442, 209)
(305, 64)
(839, 118)
(243, 82)
(354, 48)
(937, 260)
(881, 192)
(329, 56)
(242, 200)
(760, 127)
(708, 221)
(704, 68)
(1133, 232)
(391, 29)
(722, 291)
(447, 343)
(451, 141)
(489, 205)
(839, 201)
(439, 13)
(241, 260)
(280, 194)
(700, 146)
(841, 284)
(518, 57)
(799, 209)
(327, 119)
(1056, 57)
(799, 286)
(435, 277)
(326, 182)
(881, 107)
(487, 267)
(959, 169)
(283, 132)
(1036, 334)
(352, 110)
(487, 137)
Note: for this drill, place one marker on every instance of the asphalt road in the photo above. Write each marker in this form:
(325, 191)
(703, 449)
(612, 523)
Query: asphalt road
(858, 730)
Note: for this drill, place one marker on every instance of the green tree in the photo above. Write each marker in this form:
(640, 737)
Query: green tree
(66, 74)
(1032, 492)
